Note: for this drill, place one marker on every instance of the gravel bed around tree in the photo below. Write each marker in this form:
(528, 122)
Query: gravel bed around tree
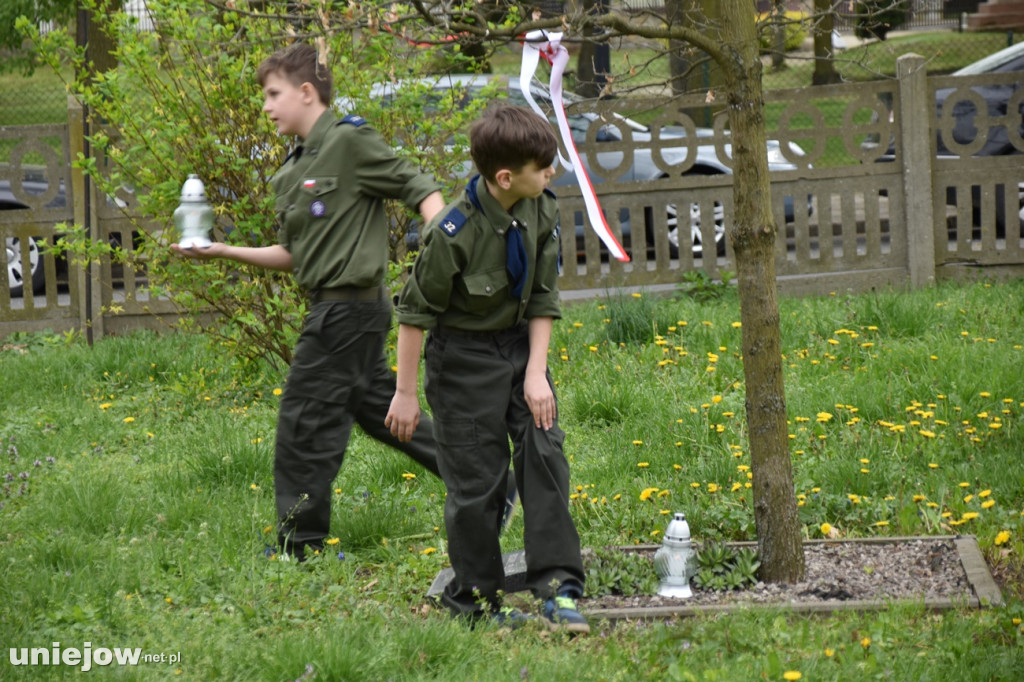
(912, 569)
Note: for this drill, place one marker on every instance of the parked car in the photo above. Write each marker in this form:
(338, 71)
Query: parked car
(644, 167)
(963, 110)
(17, 276)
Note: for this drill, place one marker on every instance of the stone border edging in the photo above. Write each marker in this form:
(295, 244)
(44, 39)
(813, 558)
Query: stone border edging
(985, 592)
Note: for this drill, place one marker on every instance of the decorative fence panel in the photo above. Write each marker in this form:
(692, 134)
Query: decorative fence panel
(859, 197)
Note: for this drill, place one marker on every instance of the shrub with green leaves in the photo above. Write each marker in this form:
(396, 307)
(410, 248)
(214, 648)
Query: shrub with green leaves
(795, 24)
(184, 99)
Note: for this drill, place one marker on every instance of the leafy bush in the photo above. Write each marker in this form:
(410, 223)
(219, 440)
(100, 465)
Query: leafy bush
(184, 100)
(795, 25)
(875, 18)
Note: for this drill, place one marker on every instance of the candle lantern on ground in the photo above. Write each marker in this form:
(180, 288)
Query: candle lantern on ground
(194, 215)
(676, 561)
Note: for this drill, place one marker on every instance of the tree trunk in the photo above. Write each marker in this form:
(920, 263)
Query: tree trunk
(100, 47)
(824, 67)
(778, 35)
(753, 238)
(679, 61)
(593, 63)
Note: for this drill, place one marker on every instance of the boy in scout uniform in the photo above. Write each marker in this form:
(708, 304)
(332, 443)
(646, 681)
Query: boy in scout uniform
(485, 285)
(333, 236)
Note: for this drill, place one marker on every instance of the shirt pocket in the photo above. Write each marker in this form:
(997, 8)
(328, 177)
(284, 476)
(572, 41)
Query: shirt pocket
(486, 291)
(315, 198)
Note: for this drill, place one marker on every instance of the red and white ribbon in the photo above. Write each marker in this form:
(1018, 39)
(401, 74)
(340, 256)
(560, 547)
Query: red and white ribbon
(536, 44)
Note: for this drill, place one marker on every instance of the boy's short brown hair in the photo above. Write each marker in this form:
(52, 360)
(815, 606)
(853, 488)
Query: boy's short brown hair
(298, 64)
(508, 136)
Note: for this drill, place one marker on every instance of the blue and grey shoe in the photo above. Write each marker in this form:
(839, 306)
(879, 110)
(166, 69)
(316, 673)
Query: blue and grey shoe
(508, 617)
(560, 613)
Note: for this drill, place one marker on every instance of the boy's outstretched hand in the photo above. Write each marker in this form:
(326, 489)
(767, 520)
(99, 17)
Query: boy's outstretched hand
(214, 250)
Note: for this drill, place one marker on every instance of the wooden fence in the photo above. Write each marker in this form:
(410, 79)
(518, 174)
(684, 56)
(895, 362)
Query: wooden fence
(854, 225)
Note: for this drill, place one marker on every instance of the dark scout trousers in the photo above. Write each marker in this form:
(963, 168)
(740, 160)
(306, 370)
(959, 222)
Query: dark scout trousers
(338, 377)
(474, 384)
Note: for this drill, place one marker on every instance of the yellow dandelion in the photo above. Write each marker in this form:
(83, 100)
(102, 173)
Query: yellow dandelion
(408, 476)
(638, 442)
(128, 420)
(987, 504)
(866, 642)
(428, 550)
(918, 498)
(1002, 537)
(645, 495)
(881, 523)
(664, 493)
(278, 391)
(826, 528)
(695, 485)
(933, 465)
(331, 541)
(792, 675)
(829, 653)
(927, 434)
(985, 493)
(968, 516)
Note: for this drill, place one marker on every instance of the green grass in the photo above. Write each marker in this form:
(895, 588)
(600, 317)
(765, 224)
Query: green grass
(140, 497)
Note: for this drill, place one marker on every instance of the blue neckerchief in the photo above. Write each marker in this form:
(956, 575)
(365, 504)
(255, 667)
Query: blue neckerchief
(515, 250)
(515, 259)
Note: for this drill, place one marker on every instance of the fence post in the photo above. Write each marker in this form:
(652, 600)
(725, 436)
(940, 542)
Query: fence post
(916, 112)
(82, 280)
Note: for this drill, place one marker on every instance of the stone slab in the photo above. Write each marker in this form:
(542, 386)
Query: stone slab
(984, 590)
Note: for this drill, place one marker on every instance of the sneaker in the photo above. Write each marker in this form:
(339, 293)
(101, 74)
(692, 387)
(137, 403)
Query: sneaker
(511, 500)
(560, 613)
(507, 617)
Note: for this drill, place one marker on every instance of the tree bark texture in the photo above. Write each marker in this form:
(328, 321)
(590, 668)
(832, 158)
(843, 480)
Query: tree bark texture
(779, 539)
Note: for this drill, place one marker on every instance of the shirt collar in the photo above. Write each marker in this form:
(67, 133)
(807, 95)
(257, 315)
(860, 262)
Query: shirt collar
(497, 216)
(317, 133)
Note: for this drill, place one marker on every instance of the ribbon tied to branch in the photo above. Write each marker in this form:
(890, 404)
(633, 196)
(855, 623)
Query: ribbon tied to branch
(549, 45)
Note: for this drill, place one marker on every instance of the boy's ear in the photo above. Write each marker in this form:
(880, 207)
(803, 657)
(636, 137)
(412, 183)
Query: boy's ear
(309, 93)
(503, 178)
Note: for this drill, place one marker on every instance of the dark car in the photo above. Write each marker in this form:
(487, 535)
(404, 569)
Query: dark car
(14, 247)
(957, 110)
(962, 105)
(644, 166)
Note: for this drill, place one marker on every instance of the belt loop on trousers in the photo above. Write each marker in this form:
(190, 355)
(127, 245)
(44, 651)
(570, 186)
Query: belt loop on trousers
(348, 294)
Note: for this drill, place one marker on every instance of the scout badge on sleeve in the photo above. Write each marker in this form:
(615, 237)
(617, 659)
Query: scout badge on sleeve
(549, 44)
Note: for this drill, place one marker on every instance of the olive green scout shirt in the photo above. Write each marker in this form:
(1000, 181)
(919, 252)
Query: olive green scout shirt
(459, 279)
(330, 206)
